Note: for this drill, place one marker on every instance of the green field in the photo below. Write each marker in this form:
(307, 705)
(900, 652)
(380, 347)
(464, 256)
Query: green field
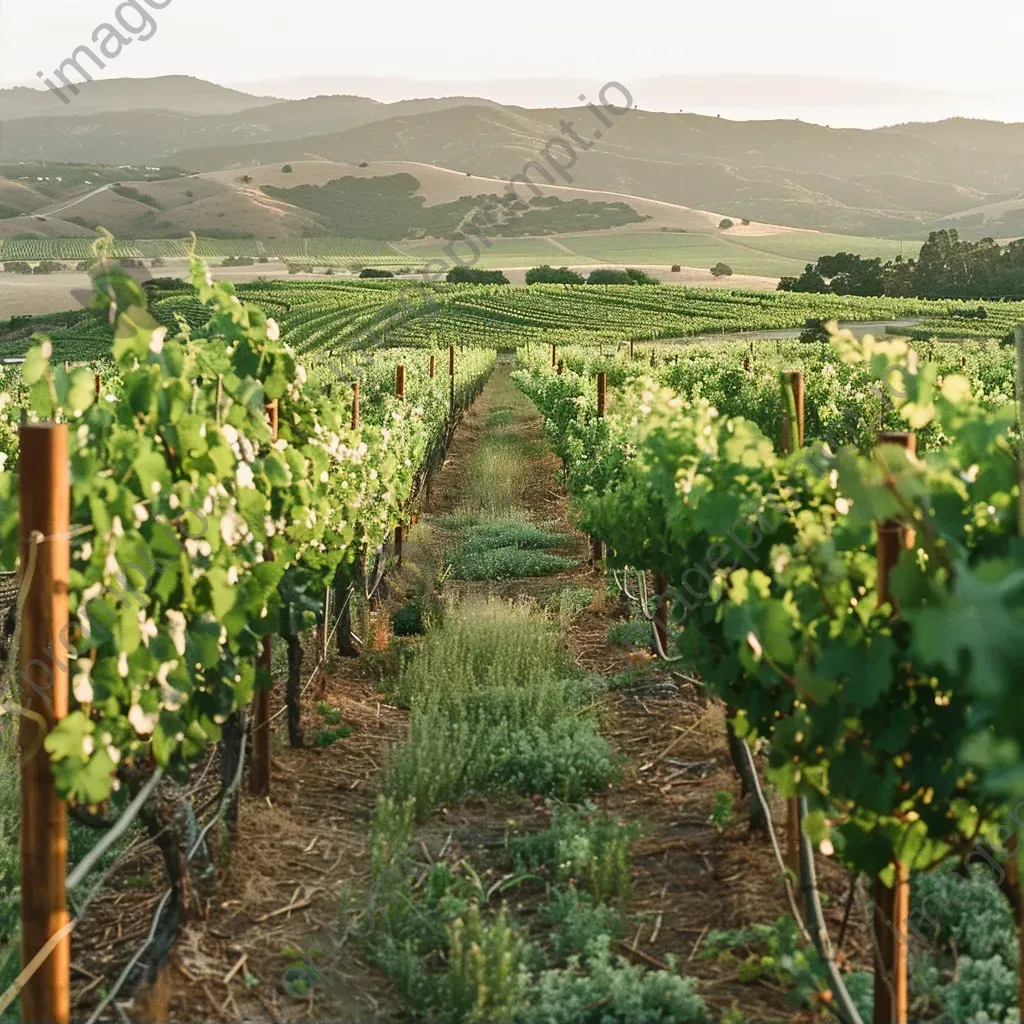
(327, 315)
(759, 255)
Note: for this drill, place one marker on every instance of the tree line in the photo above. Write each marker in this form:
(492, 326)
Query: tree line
(947, 267)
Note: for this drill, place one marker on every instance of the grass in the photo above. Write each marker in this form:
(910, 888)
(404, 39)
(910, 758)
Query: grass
(327, 737)
(496, 707)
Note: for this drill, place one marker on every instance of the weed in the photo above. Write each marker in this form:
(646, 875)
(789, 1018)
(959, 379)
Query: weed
(326, 737)
(569, 601)
(586, 847)
(721, 810)
(579, 922)
(331, 715)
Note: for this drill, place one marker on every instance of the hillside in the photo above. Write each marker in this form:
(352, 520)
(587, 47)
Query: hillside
(898, 182)
(177, 93)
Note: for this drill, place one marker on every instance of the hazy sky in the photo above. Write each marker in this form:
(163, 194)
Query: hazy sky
(961, 58)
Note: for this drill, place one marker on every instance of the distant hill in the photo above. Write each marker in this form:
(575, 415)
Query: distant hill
(179, 93)
(898, 182)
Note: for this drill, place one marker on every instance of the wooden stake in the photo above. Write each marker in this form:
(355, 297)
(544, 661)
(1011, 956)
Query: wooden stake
(99, 384)
(45, 502)
(596, 544)
(355, 405)
(792, 438)
(892, 906)
(554, 356)
(400, 381)
(259, 775)
(893, 536)
(892, 914)
(630, 349)
(792, 383)
(432, 366)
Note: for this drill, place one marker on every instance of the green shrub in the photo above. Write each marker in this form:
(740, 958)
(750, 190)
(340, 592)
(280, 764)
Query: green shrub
(721, 270)
(570, 600)
(601, 990)
(408, 620)
(502, 564)
(494, 703)
(984, 991)
(588, 848)
(725, 224)
(470, 275)
(579, 922)
(326, 737)
(330, 714)
(631, 633)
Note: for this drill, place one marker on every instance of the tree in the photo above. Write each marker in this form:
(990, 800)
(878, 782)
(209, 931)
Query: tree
(809, 281)
(676, 268)
(287, 169)
(721, 270)
(370, 272)
(246, 179)
(725, 224)
(640, 276)
(609, 276)
(549, 275)
(470, 275)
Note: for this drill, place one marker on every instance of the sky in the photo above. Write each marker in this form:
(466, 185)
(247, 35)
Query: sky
(872, 62)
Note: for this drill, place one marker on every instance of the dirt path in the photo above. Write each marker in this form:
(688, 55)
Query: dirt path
(300, 853)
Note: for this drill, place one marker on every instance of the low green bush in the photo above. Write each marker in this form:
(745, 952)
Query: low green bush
(408, 620)
(496, 706)
(326, 737)
(499, 565)
(632, 633)
(586, 847)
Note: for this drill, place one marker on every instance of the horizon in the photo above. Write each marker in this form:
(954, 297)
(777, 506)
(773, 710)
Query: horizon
(540, 94)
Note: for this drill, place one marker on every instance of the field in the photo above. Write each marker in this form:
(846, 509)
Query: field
(324, 315)
(769, 255)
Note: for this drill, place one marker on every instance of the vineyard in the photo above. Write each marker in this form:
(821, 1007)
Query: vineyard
(313, 251)
(327, 316)
(474, 654)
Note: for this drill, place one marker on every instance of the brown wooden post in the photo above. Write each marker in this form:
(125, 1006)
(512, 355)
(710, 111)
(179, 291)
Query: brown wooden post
(792, 381)
(630, 349)
(892, 914)
(259, 776)
(400, 392)
(554, 356)
(746, 362)
(892, 905)
(596, 544)
(433, 366)
(792, 390)
(99, 384)
(45, 504)
(355, 405)
(451, 384)
(893, 536)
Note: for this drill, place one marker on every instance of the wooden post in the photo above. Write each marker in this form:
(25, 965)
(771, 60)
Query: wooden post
(596, 544)
(355, 405)
(99, 384)
(554, 356)
(451, 384)
(433, 366)
(792, 382)
(892, 914)
(792, 438)
(45, 503)
(400, 392)
(630, 349)
(893, 535)
(259, 775)
(892, 906)
(746, 362)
